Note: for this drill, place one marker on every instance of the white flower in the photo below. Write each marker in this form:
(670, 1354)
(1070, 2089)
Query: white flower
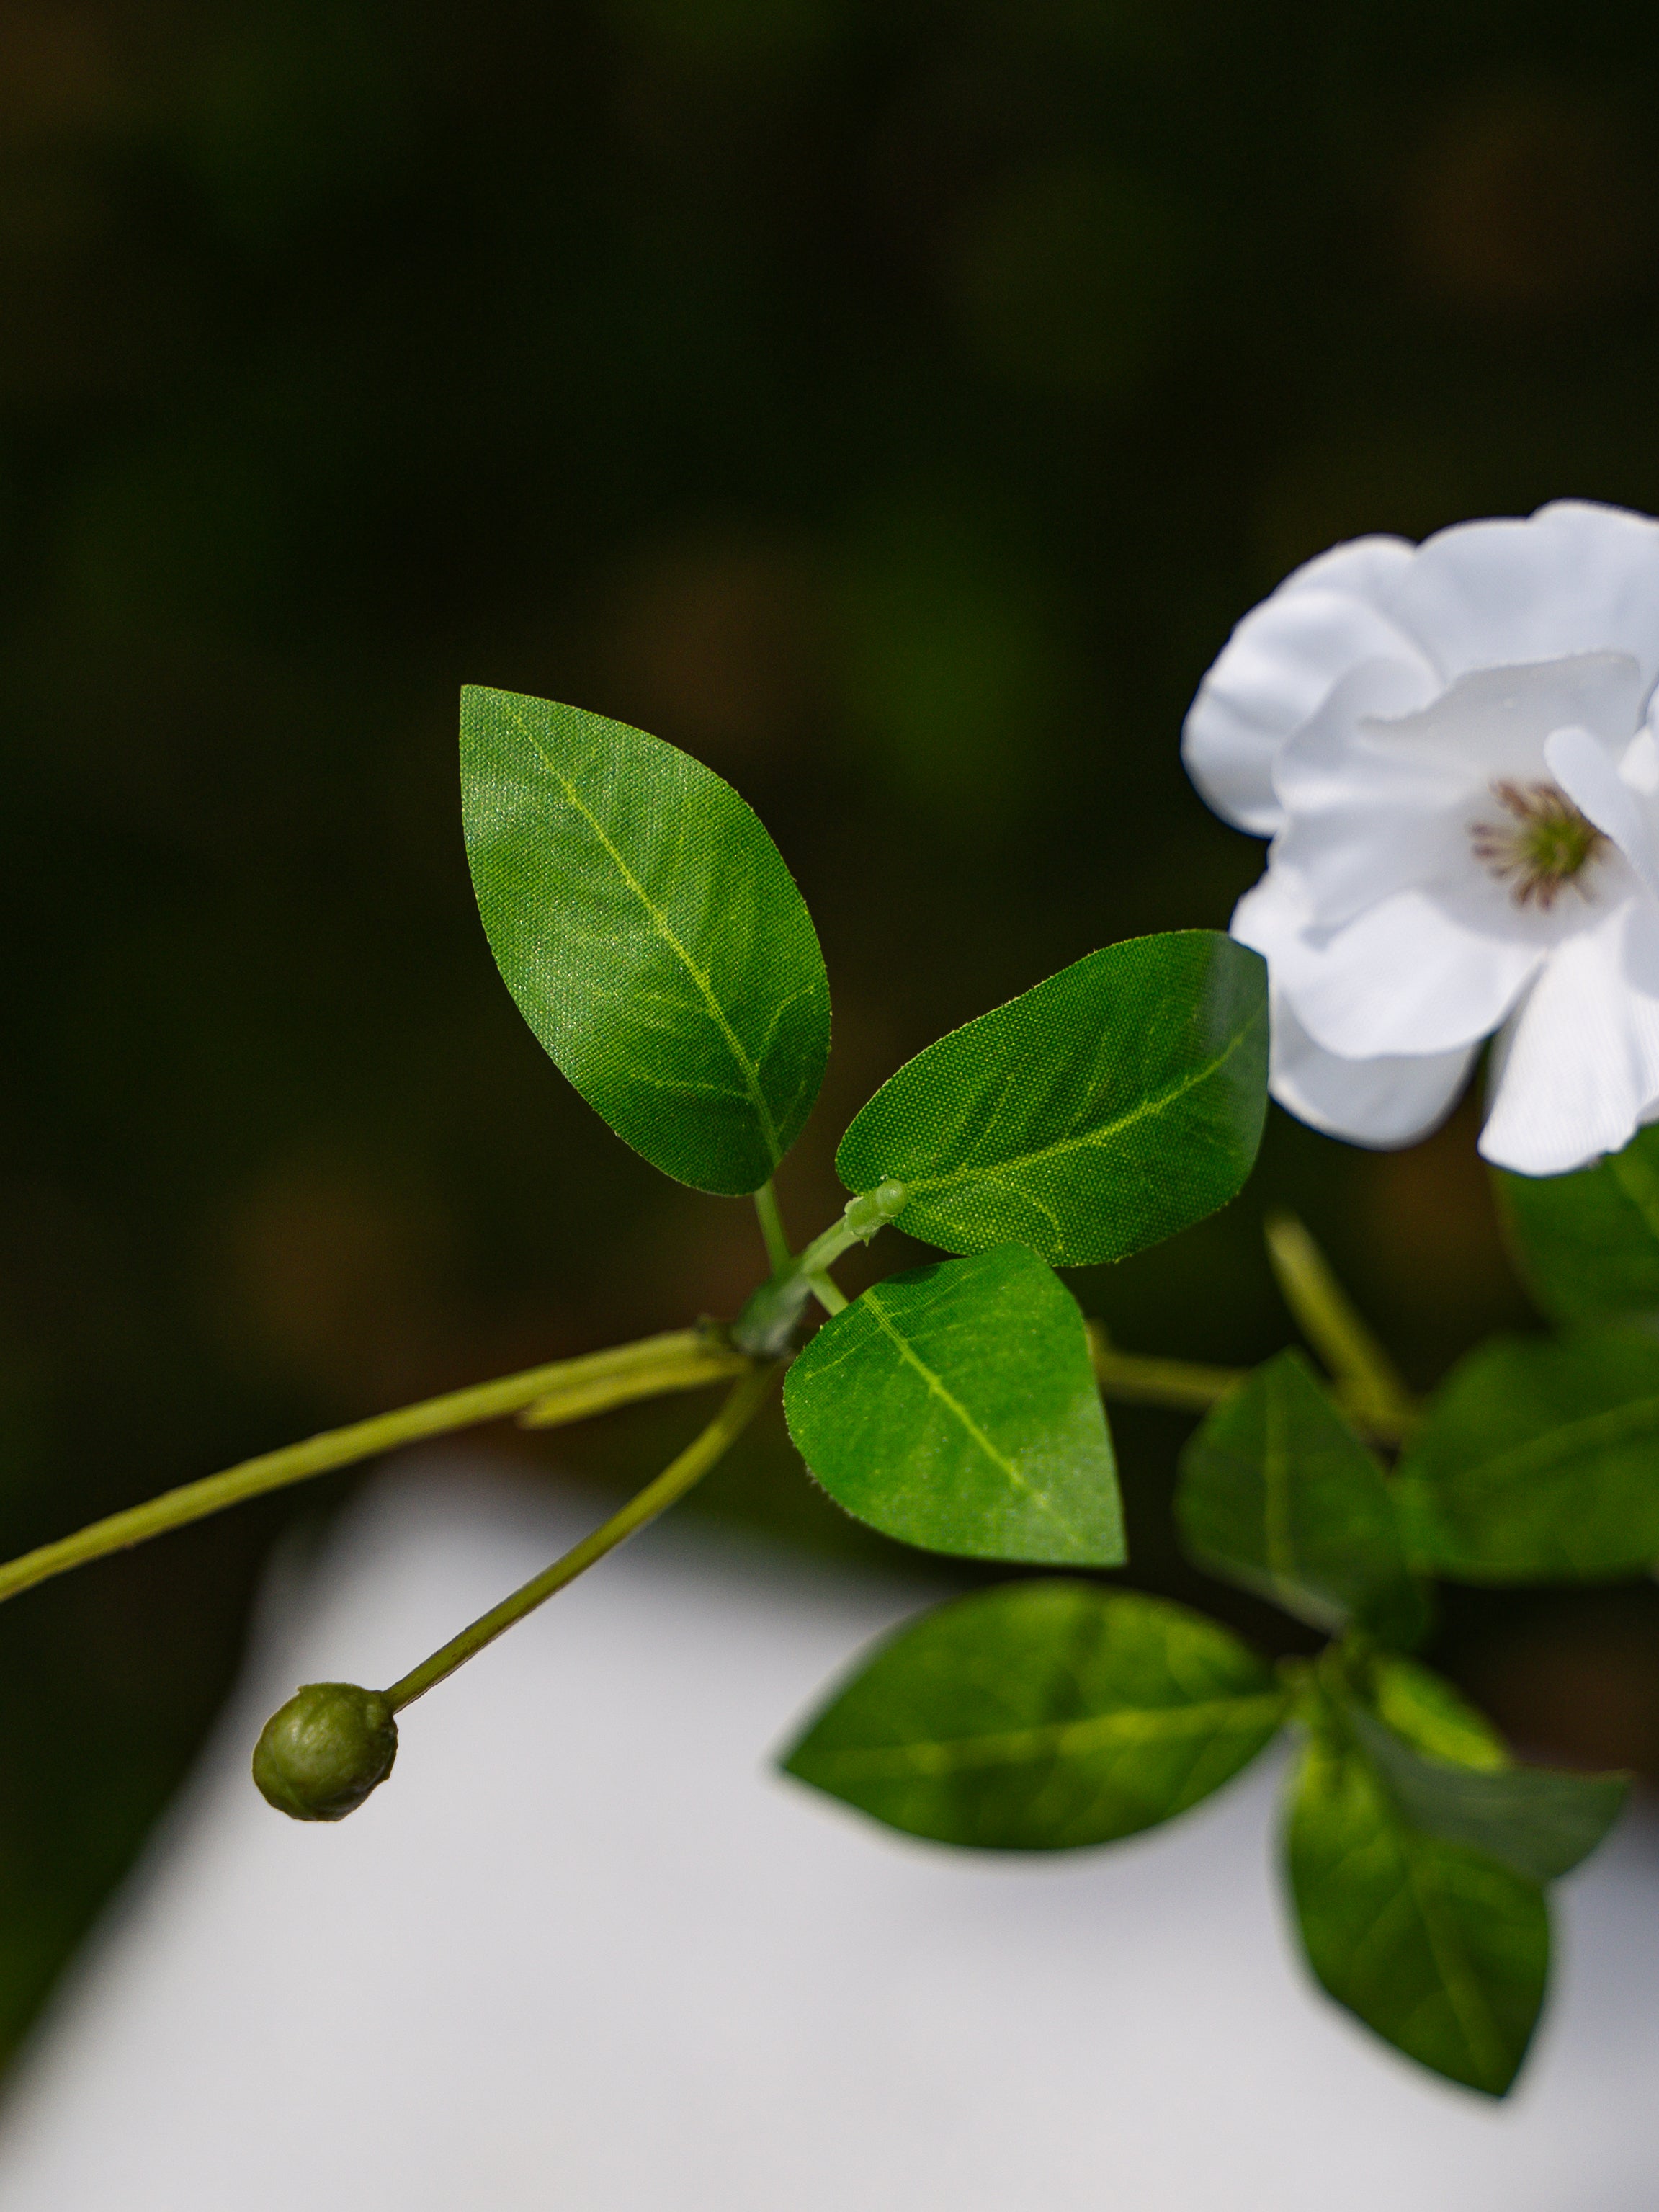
(1452, 747)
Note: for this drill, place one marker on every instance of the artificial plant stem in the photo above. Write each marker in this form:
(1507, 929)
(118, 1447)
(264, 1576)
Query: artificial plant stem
(769, 1316)
(1142, 1380)
(672, 1485)
(1136, 1379)
(1327, 1318)
(778, 1253)
(567, 1388)
(821, 1282)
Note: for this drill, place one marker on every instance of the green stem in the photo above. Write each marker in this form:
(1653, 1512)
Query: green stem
(821, 1282)
(562, 1391)
(672, 1485)
(1367, 1377)
(1137, 1379)
(771, 1222)
(767, 1321)
(1142, 1380)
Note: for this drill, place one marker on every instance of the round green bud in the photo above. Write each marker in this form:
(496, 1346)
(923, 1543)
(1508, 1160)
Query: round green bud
(320, 1754)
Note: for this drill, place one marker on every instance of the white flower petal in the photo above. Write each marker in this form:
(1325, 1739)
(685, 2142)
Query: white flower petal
(1495, 722)
(1411, 975)
(1581, 1065)
(1382, 1102)
(1368, 569)
(1276, 669)
(1366, 817)
(1576, 578)
(1588, 772)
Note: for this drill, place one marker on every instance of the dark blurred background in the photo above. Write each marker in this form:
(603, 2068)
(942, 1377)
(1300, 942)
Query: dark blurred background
(895, 402)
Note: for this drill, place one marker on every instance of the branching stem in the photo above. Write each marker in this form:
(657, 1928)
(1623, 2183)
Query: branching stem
(685, 1360)
(672, 1485)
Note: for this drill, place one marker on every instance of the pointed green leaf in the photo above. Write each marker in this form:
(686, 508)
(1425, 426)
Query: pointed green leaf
(1042, 1715)
(1539, 1461)
(954, 1407)
(650, 931)
(1278, 1495)
(1422, 1706)
(1534, 1820)
(1587, 1243)
(1440, 1950)
(1100, 1111)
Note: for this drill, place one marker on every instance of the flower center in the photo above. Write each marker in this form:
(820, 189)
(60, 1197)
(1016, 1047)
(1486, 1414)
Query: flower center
(1545, 842)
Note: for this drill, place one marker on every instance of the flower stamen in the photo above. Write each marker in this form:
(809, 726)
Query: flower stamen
(1547, 843)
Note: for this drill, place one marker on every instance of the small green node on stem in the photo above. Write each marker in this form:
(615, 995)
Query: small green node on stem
(319, 1755)
(876, 1208)
(767, 1320)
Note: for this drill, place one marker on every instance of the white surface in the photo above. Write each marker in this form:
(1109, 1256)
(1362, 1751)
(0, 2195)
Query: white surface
(584, 1953)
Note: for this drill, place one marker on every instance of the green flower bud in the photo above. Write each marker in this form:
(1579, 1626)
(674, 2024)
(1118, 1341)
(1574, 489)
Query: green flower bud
(320, 1754)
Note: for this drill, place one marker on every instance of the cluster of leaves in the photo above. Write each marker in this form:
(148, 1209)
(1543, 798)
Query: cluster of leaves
(655, 941)
(660, 948)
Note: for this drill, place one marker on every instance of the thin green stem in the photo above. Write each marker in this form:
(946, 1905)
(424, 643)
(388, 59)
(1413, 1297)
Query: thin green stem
(1136, 1379)
(821, 1282)
(564, 1390)
(769, 1316)
(772, 1229)
(1366, 1376)
(1141, 1380)
(672, 1485)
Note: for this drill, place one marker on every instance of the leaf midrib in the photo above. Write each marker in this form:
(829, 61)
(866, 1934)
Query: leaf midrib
(1052, 1739)
(937, 1389)
(665, 929)
(1093, 1138)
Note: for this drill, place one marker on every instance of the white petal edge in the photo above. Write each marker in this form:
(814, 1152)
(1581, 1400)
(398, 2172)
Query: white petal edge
(1587, 770)
(1383, 1103)
(1408, 977)
(1580, 1066)
(1577, 577)
(1277, 668)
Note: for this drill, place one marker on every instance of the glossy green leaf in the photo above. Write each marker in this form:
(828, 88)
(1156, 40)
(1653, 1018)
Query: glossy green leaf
(1278, 1495)
(1533, 1819)
(1042, 1715)
(1587, 1243)
(650, 933)
(956, 1408)
(1107, 1107)
(1539, 1461)
(1441, 1951)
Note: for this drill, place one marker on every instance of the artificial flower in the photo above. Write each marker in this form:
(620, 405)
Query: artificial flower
(1452, 748)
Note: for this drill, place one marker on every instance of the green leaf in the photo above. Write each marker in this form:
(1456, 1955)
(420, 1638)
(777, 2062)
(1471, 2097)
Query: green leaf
(1534, 1820)
(1277, 1495)
(650, 933)
(1422, 1706)
(956, 1408)
(1042, 1716)
(1102, 1110)
(1539, 1461)
(1440, 1950)
(1587, 1243)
